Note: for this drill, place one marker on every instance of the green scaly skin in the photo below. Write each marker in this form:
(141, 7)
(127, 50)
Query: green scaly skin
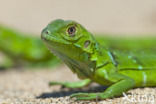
(23, 50)
(111, 63)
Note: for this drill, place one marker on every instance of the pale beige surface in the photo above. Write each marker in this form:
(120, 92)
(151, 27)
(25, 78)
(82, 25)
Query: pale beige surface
(110, 16)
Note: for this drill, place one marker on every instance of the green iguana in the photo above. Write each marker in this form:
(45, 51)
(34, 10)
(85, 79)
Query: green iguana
(114, 62)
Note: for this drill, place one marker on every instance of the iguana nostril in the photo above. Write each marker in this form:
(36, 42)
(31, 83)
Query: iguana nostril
(47, 32)
(44, 33)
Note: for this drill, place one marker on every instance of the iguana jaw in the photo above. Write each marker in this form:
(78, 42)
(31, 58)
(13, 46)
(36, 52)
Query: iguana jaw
(71, 54)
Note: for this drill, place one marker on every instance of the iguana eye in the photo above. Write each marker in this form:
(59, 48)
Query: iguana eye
(71, 31)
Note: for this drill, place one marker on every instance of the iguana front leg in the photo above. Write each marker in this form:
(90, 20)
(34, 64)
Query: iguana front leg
(121, 84)
(78, 84)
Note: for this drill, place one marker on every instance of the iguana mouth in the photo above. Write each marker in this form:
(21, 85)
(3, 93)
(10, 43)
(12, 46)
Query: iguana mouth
(51, 38)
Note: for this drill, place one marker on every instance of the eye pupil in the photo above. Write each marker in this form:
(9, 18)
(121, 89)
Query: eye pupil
(71, 31)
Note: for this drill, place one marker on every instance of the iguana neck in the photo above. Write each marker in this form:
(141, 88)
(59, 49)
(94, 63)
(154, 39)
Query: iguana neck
(102, 56)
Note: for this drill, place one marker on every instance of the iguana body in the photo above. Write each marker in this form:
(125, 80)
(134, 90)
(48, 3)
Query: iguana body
(23, 50)
(119, 64)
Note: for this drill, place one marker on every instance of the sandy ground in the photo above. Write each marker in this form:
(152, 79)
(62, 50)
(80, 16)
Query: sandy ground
(31, 87)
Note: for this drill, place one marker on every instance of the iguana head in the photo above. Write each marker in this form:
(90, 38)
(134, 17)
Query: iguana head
(72, 43)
